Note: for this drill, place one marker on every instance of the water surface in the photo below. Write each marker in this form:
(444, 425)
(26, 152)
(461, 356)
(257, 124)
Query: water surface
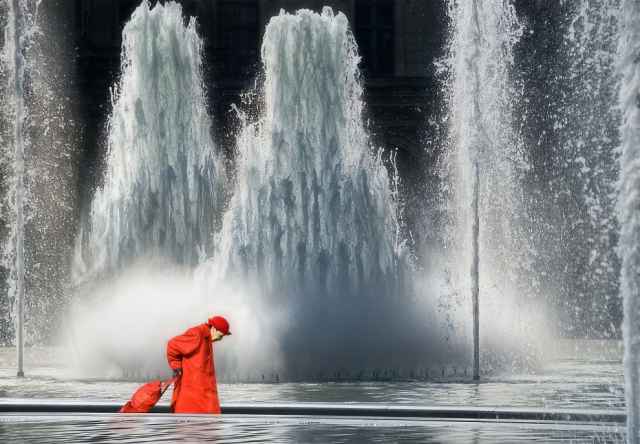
(564, 383)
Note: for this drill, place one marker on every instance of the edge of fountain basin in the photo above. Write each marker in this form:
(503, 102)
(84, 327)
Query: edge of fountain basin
(57, 406)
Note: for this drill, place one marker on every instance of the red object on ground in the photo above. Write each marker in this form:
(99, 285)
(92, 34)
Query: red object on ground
(220, 324)
(196, 391)
(146, 397)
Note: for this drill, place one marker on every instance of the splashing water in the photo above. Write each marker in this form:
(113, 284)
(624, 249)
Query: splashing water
(312, 219)
(163, 186)
(309, 265)
(481, 138)
(629, 207)
(38, 165)
(311, 201)
(572, 146)
(589, 124)
(19, 24)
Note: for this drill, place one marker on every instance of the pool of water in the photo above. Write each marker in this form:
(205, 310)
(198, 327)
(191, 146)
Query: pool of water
(581, 381)
(561, 384)
(244, 429)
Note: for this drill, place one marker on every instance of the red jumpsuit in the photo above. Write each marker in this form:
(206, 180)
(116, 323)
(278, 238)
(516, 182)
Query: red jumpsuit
(196, 391)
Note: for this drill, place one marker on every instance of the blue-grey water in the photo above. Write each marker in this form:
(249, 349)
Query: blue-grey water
(589, 378)
(243, 429)
(562, 384)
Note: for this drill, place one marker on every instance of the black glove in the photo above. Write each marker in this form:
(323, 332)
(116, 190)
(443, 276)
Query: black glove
(177, 372)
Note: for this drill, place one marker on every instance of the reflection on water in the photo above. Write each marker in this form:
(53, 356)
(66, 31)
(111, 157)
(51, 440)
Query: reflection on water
(567, 383)
(243, 429)
(562, 384)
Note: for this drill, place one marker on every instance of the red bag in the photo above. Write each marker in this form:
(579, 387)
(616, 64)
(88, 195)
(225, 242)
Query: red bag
(146, 397)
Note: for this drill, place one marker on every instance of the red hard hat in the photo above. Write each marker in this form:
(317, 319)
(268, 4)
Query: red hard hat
(220, 324)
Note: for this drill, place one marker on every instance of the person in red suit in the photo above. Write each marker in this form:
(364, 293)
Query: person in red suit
(190, 355)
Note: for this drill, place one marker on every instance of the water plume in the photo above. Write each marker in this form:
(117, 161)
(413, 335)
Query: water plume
(309, 265)
(571, 132)
(162, 190)
(589, 139)
(484, 150)
(313, 222)
(629, 207)
(38, 166)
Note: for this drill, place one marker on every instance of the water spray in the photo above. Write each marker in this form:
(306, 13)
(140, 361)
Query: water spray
(19, 171)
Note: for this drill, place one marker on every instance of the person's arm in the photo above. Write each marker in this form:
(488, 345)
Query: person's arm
(181, 346)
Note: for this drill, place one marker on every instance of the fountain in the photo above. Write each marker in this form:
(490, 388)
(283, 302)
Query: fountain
(38, 135)
(163, 188)
(587, 123)
(17, 38)
(302, 247)
(154, 216)
(566, 71)
(486, 240)
(628, 207)
(309, 261)
(313, 220)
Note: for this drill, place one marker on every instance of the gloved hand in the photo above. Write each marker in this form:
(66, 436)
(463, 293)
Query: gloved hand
(177, 372)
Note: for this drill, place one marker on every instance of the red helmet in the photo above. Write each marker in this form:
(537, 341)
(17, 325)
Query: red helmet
(220, 324)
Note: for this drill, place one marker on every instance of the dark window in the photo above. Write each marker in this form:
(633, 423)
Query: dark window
(125, 9)
(374, 32)
(237, 43)
(98, 25)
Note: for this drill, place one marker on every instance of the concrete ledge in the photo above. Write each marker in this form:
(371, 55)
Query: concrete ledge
(56, 406)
